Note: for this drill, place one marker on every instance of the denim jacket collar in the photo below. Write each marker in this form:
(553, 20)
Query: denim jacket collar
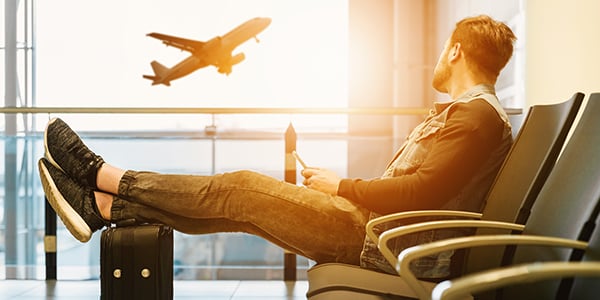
(478, 91)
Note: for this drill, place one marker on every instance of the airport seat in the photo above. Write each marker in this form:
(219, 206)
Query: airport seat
(562, 220)
(585, 283)
(528, 163)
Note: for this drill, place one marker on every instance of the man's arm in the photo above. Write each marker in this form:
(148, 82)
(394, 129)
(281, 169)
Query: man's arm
(471, 132)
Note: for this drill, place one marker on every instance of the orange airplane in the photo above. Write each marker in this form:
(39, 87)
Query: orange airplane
(216, 52)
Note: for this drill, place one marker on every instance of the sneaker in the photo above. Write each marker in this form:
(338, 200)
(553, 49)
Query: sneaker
(74, 204)
(66, 151)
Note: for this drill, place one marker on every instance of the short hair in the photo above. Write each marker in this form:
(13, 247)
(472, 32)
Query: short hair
(487, 44)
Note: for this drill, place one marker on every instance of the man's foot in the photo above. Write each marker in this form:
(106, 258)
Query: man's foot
(74, 204)
(66, 151)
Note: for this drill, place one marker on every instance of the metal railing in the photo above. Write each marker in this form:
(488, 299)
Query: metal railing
(211, 111)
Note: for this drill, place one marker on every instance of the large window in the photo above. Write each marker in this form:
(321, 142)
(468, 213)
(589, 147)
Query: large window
(94, 53)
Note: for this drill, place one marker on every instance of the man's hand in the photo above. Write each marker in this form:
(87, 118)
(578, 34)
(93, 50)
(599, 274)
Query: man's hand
(321, 180)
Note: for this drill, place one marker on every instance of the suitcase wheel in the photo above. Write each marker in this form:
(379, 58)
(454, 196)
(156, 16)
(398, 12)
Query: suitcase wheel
(145, 273)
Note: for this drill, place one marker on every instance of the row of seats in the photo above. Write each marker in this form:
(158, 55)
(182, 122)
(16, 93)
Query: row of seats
(534, 235)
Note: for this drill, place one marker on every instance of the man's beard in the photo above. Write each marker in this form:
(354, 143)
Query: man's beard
(441, 75)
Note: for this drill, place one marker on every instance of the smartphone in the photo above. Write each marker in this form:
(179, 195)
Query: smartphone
(299, 159)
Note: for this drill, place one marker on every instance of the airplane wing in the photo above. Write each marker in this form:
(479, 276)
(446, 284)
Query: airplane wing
(177, 42)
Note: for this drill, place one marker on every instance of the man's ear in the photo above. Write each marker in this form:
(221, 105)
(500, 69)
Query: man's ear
(455, 52)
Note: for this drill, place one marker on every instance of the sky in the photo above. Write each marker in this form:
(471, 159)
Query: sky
(94, 53)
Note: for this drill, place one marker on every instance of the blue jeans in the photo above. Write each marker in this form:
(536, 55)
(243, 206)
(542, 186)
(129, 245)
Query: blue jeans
(313, 224)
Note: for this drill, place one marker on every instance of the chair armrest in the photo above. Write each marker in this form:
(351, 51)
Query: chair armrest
(412, 214)
(465, 286)
(412, 253)
(431, 225)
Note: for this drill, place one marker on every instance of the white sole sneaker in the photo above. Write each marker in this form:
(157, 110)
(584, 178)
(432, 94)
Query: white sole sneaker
(72, 220)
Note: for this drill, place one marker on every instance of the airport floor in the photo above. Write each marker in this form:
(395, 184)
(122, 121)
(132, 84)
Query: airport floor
(183, 290)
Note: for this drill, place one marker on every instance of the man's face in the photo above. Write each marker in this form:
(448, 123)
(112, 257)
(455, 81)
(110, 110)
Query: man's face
(442, 71)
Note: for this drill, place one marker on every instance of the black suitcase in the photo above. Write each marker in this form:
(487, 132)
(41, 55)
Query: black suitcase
(136, 262)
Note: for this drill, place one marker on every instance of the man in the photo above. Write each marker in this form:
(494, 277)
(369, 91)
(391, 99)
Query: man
(448, 162)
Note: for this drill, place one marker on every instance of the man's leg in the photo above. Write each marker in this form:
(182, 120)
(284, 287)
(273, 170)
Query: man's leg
(314, 224)
(311, 223)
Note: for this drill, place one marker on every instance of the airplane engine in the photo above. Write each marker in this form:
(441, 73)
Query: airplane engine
(236, 59)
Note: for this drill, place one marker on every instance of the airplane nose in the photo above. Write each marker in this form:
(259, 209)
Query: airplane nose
(265, 22)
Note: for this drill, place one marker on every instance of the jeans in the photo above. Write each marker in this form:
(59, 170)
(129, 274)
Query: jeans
(313, 224)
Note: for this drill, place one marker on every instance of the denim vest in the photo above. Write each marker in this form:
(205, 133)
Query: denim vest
(412, 153)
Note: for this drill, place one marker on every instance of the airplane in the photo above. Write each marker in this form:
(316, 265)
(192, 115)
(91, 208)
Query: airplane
(216, 52)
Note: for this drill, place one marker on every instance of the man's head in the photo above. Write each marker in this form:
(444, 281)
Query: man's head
(485, 44)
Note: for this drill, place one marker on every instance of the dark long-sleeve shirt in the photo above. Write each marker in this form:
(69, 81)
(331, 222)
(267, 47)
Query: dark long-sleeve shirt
(472, 130)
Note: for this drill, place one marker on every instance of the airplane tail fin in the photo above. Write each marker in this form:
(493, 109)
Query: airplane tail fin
(159, 71)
